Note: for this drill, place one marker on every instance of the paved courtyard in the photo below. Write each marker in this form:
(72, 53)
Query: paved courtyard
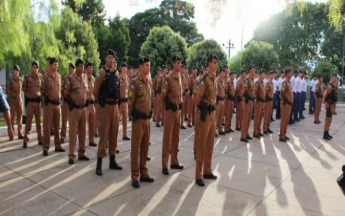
(265, 177)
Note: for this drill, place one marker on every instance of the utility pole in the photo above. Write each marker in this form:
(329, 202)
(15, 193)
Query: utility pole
(229, 47)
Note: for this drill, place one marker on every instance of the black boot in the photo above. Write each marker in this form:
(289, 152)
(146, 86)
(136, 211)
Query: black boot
(99, 167)
(325, 136)
(329, 135)
(113, 164)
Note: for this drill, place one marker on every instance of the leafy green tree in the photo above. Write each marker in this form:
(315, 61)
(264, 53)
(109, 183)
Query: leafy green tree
(161, 45)
(235, 63)
(325, 69)
(198, 53)
(77, 40)
(260, 54)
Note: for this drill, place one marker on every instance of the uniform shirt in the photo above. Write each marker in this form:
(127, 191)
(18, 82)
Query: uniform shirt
(279, 83)
(221, 87)
(124, 85)
(192, 81)
(304, 85)
(158, 83)
(52, 86)
(64, 80)
(185, 82)
(15, 85)
(239, 87)
(265, 81)
(172, 88)
(249, 87)
(269, 89)
(286, 91)
(32, 85)
(76, 89)
(260, 89)
(318, 90)
(100, 79)
(207, 89)
(313, 85)
(140, 92)
(231, 88)
(298, 85)
(91, 84)
(274, 85)
(293, 84)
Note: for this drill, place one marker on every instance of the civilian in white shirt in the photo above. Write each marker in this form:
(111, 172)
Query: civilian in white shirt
(303, 95)
(294, 107)
(298, 96)
(313, 83)
(279, 87)
(274, 82)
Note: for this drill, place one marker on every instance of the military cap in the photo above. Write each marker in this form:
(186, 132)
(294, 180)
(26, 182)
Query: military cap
(243, 71)
(79, 61)
(89, 64)
(34, 63)
(165, 66)
(124, 65)
(143, 59)
(250, 67)
(71, 65)
(53, 60)
(211, 57)
(159, 69)
(16, 67)
(176, 58)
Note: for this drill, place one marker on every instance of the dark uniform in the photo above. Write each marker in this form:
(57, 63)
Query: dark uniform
(107, 93)
(330, 100)
(140, 98)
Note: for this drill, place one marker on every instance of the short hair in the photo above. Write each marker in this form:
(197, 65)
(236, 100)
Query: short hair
(211, 57)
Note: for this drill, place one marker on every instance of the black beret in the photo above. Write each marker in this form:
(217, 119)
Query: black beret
(34, 63)
(16, 67)
(159, 69)
(124, 65)
(165, 66)
(48, 58)
(79, 61)
(89, 64)
(251, 67)
(176, 58)
(71, 65)
(143, 59)
(53, 60)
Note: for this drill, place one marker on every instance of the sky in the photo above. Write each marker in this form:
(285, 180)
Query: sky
(235, 15)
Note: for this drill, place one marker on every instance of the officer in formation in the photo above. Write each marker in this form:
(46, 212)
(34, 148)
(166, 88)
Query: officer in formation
(230, 98)
(330, 99)
(259, 104)
(318, 95)
(220, 100)
(90, 105)
(157, 87)
(124, 85)
(240, 99)
(287, 99)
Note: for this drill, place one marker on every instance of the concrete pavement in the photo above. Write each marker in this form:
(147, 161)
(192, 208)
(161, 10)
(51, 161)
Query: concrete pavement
(264, 177)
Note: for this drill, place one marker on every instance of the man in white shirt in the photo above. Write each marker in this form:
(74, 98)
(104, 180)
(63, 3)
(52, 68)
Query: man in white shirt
(274, 82)
(303, 95)
(279, 87)
(298, 96)
(313, 83)
(294, 109)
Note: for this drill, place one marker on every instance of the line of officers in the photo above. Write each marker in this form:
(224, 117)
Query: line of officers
(207, 101)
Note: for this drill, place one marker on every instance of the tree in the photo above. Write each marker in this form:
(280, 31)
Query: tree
(235, 63)
(325, 69)
(198, 53)
(260, 54)
(88, 10)
(77, 40)
(161, 44)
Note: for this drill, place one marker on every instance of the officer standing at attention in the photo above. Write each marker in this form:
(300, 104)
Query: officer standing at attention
(65, 108)
(76, 89)
(318, 90)
(90, 105)
(184, 80)
(14, 91)
(157, 87)
(259, 104)
(220, 99)
(107, 93)
(206, 101)
(124, 85)
(287, 98)
(52, 99)
(269, 92)
(329, 99)
(130, 76)
(140, 98)
(32, 88)
(240, 99)
(172, 96)
(249, 97)
(230, 97)
(191, 102)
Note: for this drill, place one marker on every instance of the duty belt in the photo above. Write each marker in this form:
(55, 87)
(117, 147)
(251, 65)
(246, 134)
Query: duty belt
(124, 100)
(90, 101)
(47, 101)
(269, 99)
(173, 107)
(34, 100)
(220, 98)
(239, 98)
(136, 114)
(114, 102)
(259, 99)
(230, 97)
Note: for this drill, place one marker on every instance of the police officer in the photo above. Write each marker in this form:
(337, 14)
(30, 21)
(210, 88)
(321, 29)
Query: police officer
(206, 101)
(107, 93)
(14, 91)
(220, 99)
(191, 102)
(230, 97)
(5, 109)
(32, 88)
(259, 104)
(65, 108)
(318, 98)
(329, 99)
(172, 96)
(164, 74)
(269, 89)
(157, 87)
(76, 89)
(184, 79)
(240, 100)
(287, 98)
(130, 76)
(249, 97)
(124, 85)
(90, 105)
(52, 98)
(140, 98)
